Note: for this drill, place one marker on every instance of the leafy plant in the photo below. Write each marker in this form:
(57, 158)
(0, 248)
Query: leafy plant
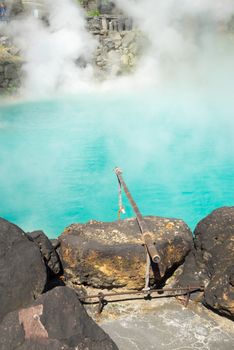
(93, 13)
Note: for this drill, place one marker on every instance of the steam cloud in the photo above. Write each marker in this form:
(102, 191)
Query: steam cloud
(186, 39)
(50, 51)
(185, 43)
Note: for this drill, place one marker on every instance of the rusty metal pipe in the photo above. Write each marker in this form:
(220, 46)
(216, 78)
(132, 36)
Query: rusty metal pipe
(147, 235)
(183, 290)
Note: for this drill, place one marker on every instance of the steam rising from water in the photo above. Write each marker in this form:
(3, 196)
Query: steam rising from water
(185, 44)
(50, 51)
(176, 132)
(186, 40)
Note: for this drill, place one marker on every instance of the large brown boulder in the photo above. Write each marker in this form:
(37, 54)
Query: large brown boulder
(211, 262)
(108, 255)
(22, 271)
(57, 320)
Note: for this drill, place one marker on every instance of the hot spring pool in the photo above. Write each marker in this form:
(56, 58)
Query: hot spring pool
(57, 158)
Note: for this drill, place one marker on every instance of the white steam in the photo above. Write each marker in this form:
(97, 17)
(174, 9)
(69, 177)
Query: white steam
(186, 43)
(51, 51)
(186, 39)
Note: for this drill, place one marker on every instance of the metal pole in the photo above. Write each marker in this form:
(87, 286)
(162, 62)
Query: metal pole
(147, 235)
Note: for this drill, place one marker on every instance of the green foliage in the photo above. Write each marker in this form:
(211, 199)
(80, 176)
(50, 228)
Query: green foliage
(93, 13)
(81, 2)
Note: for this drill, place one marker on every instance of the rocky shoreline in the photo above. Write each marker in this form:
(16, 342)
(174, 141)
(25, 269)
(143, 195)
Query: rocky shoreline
(41, 280)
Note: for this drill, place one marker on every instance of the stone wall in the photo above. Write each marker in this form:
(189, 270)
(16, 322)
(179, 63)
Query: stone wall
(118, 53)
(120, 44)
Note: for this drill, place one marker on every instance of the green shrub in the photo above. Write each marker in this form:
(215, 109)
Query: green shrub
(93, 13)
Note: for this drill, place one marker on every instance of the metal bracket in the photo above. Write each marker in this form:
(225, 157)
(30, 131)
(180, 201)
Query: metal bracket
(101, 302)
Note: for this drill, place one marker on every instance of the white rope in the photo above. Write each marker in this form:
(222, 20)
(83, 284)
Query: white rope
(147, 273)
(121, 207)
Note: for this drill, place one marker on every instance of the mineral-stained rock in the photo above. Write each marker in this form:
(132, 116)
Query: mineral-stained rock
(47, 250)
(57, 320)
(107, 255)
(22, 270)
(212, 260)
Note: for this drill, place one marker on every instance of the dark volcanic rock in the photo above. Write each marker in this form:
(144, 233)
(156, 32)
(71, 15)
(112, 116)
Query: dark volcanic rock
(47, 250)
(22, 270)
(211, 262)
(107, 255)
(57, 320)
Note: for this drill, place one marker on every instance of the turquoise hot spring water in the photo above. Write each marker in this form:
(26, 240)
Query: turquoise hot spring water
(57, 156)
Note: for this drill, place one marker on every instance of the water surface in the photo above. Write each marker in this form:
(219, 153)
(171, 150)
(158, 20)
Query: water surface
(57, 157)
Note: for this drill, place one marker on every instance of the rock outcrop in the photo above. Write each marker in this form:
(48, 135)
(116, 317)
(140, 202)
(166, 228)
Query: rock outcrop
(48, 252)
(211, 262)
(31, 317)
(22, 271)
(118, 52)
(10, 66)
(120, 45)
(108, 255)
(57, 320)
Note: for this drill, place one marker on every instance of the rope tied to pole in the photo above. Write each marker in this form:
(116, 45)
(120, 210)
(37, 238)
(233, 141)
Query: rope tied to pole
(152, 255)
(121, 207)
